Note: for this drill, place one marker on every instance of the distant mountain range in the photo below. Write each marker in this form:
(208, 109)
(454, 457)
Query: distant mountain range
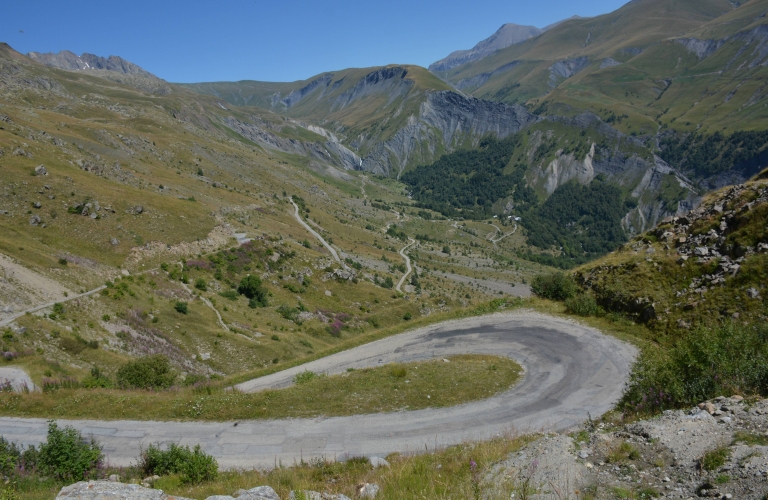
(72, 62)
(509, 34)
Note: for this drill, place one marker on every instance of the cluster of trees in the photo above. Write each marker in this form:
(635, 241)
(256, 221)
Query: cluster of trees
(709, 155)
(467, 183)
(585, 221)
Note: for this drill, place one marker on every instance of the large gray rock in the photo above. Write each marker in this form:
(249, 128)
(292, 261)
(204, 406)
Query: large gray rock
(107, 490)
(368, 490)
(378, 462)
(259, 493)
(314, 495)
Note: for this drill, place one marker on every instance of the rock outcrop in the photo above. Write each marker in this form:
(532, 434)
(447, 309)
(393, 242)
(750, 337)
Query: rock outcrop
(445, 120)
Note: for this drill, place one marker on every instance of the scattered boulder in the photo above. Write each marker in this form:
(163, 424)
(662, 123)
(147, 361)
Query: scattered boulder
(701, 251)
(35, 220)
(257, 493)
(100, 490)
(367, 490)
(40, 170)
(314, 495)
(37, 204)
(753, 293)
(114, 242)
(21, 152)
(378, 461)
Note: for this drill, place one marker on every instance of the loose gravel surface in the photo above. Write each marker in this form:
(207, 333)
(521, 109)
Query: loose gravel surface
(571, 371)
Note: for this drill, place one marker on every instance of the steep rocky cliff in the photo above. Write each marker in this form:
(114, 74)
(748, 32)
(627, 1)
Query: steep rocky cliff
(445, 121)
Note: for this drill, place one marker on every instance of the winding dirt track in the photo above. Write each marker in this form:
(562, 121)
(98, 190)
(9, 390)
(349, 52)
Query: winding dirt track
(571, 371)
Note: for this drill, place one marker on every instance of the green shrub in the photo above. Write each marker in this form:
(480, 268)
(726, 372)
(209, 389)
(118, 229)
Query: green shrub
(96, 380)
(230, 294)
(194, 466)
(201, 285)
(555, 286)
(582, 305)
(304, 377)
(9, 457)
(67, 456)
(704, 363)
(407, 316)
(289, 313)
(151, 372)
(58, 308)
(251, 287)
(181, 307)
(388, 283)
(714, 459)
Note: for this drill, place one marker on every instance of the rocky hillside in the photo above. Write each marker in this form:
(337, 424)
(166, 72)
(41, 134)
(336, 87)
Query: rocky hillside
(716, 450)
(391, 118)
(72, 62)
(693, 269)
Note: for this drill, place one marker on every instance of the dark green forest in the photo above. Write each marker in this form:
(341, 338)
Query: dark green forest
(576, 223)
(467, 183)
(585, 221)
(704, 156)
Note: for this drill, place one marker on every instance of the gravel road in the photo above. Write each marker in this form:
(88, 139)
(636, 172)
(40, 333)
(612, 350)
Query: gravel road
(570, 371)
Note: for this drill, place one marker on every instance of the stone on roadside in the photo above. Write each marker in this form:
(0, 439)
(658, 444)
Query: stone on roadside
(100, 490)
(378, 461)
(367, 490)
(314, 495)
(257, 493)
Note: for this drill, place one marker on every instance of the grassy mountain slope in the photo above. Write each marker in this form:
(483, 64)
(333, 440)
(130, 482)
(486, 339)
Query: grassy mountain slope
(354, 100)
(390, 118)
(134, 179)
(693, 270)
(529, 70)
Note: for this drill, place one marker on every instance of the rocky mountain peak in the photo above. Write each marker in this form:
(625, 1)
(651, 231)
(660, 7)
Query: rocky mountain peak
(508, 34)
(72, 62)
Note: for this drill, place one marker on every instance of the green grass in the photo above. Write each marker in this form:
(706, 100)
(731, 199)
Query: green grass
(411, 386)
(444, 473)
(714, 459)
(622, 453)
(750, 439)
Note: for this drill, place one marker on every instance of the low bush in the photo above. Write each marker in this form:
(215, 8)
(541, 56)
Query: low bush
(201, 284)
(230, 294)
(181, 307)
(304, 377)
(194, 466)
(582, 305)
(704, 363)
(67, 456)
(251, 287)
(151, 372)
(555, 286)
(714, 459)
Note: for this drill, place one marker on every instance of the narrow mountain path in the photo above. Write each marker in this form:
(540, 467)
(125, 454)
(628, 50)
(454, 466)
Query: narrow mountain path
(572, 371)
(407, 264)
(494, 240)
(206, 302)
(316, 234)
(7, 321)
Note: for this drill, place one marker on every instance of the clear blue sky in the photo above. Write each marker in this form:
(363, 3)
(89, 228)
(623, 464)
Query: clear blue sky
(277, 40)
